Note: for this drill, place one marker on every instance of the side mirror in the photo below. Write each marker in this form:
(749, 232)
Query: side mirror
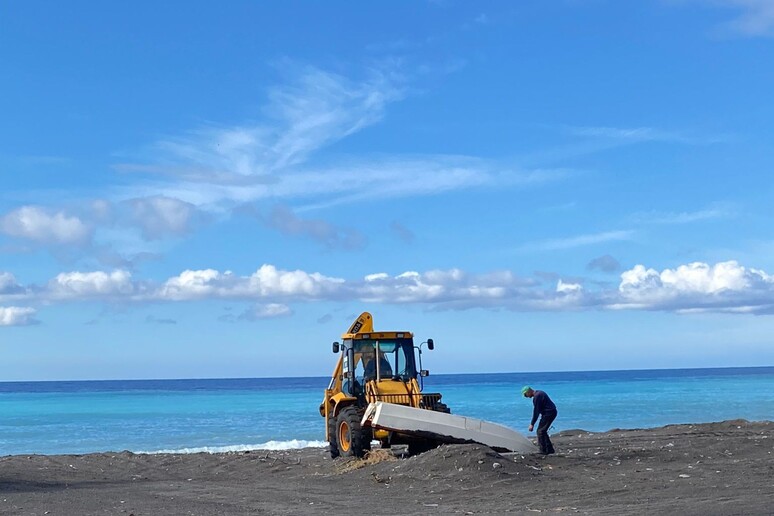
(424, 372)
(430, 344)
(335, 347)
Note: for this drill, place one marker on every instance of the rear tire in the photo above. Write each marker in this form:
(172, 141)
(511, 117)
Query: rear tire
(333, 446)
(350, 438)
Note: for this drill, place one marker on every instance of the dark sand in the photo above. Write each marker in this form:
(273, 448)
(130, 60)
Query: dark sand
(718, 468)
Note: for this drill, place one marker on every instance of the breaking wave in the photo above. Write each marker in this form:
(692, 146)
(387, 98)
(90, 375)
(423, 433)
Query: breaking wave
(293, 444)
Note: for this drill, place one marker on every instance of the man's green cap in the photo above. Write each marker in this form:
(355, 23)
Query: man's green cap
(525, 389)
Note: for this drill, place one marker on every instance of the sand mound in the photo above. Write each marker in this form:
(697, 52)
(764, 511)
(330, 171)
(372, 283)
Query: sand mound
(455, 462)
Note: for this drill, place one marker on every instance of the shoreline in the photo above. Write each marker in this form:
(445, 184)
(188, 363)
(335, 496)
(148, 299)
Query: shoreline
(709, 468)
(223, 450)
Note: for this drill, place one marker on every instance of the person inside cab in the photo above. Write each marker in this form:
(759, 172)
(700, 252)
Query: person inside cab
(385, 371)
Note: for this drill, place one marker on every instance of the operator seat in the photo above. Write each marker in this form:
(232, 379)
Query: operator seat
(384, 369)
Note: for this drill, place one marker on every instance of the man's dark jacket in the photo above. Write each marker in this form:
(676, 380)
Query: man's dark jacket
(543, 405)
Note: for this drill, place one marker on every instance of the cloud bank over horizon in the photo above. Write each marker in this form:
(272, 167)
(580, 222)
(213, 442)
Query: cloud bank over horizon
(691, 288)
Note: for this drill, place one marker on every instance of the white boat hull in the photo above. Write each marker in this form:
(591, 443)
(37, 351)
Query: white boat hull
(448, 428)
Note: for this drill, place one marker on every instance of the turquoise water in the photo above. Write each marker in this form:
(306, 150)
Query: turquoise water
(274, 413)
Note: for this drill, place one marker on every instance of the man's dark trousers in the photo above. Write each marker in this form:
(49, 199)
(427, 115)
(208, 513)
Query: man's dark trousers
(542, 432)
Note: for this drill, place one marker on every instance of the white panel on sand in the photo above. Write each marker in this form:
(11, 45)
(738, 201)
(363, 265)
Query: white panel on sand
(445, 427)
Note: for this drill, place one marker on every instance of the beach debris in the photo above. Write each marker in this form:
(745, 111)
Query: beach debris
(683, 475)
(495, 465)
(379, 479)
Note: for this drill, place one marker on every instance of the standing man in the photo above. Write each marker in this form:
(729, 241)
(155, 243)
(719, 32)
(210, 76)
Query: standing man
(546, 409)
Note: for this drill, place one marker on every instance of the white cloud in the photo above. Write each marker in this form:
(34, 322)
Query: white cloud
(45, 227)
(270, 281)
(16, 316)
(697, 285)
(85, 285)
(641, 135)
(604, 263)
(315, 109)
(267, 281)
(324, 107)
(161, 216)
(749, 17)
(755, 18)
(267, 311)
(9, 285)
(717, 211)
(452, 287)
(482, 18)
(285, 221)
(694, 277)
(190, 284)
(218, 167)
(568, 288)
(406, 177)
(401, 232)
(362, 180)
(577, 241)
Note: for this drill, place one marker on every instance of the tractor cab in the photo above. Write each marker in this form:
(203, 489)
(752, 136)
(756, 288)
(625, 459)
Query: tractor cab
(376, 360)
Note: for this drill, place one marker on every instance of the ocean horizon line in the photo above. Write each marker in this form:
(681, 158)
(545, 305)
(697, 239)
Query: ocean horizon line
(445, 375)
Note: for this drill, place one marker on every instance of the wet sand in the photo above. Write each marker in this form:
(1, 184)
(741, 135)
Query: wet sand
(716, 468)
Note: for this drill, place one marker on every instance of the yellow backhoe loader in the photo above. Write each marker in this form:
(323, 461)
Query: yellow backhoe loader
(374, 367)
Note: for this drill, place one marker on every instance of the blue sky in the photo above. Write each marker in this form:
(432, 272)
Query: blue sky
(190, 189)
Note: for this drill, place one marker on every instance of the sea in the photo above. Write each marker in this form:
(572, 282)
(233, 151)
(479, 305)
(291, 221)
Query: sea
(222, 415)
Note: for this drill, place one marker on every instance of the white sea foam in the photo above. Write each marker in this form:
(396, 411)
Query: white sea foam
(293, 444)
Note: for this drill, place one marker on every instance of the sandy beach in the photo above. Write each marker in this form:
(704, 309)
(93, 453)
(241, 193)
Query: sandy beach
(717, 468)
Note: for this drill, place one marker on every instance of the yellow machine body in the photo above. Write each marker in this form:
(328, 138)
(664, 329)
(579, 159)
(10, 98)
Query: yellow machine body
(372, 366)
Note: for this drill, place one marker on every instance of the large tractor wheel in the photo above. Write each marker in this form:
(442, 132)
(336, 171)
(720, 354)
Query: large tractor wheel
(332, 443)
(350, 437)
